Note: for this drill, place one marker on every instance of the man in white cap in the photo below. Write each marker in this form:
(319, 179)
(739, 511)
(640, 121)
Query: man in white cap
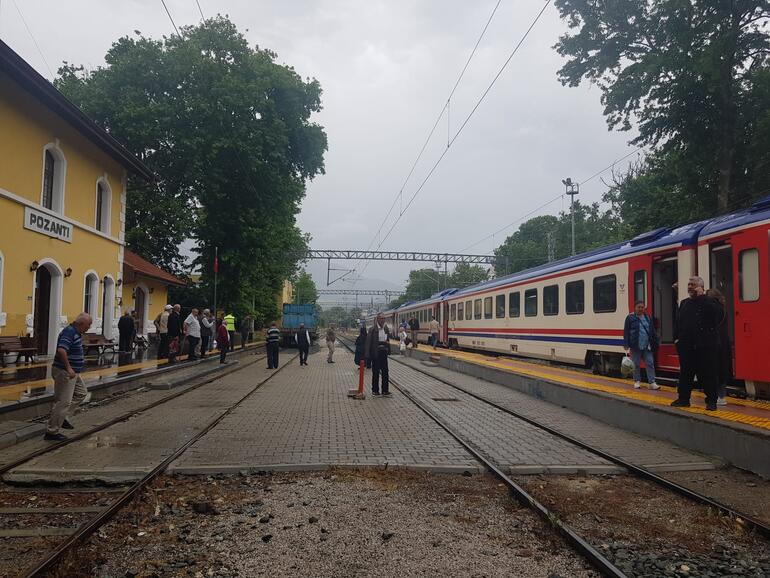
(161, 322)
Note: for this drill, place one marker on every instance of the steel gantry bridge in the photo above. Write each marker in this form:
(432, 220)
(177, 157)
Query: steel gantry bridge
(424, 256)
(360, 292)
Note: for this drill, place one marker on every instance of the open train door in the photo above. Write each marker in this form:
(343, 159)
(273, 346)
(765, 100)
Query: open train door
(751, 302)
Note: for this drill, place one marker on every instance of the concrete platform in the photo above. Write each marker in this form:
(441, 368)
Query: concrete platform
(738, 434)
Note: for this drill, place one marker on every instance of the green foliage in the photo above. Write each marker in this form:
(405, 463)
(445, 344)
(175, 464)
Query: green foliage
(305, 290)
(692, 77)
(528, 246)
(228, 131)
(425, 282)
(340, 316)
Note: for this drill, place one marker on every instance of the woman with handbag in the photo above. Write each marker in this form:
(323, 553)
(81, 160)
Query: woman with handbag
(641, 341)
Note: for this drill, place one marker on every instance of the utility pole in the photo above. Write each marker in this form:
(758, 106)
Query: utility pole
(572, 189)
(551, 246)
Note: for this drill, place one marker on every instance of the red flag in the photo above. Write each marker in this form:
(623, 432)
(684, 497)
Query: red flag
(216, 264)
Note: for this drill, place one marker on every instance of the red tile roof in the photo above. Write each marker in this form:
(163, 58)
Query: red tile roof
(133, 264)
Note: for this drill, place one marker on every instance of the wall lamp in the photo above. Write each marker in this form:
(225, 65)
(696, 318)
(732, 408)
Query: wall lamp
(119, 283)
(34, 266)
(68, 271)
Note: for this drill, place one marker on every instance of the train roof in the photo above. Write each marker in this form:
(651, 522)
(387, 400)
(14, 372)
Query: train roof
(435, 298)
(759, 211)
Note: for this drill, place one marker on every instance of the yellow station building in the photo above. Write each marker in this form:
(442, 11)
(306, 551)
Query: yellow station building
(62, 202)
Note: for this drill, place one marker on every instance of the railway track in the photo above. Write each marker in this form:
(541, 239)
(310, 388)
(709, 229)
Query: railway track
(101, 503)
(573, 537)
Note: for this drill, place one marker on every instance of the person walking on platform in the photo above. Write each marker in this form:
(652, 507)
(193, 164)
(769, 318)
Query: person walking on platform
(697, 342)
(223, 340)
(331, 337)
(161, 323)
(377, 351)
(247, 326)
(126, 332)
(192, 329)
(174, 333)
(207, 330)
(434, 332)
(725, 372)
(302, 338)
(69, 391)
(229, 320)
(641, 341)
(272, 346)
(360, 354)
(414, 328)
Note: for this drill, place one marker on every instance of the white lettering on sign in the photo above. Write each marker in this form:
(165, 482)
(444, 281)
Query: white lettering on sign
(47, 225)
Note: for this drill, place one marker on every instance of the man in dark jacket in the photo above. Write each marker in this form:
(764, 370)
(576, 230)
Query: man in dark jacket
(126, 331)
(303, 343)
(641, 341)
(697, 341)
(414, 329)
(377, 351)
(174, 332)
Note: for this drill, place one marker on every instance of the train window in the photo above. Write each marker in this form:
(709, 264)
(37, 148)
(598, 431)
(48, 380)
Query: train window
(640, 286)
(477, 309)
(514, 304)
(460, 311)
(468, 310)
(748, 275)
(452, 312)
(575, 293)
(605, 294)
(500, 306)
(487, 308)
(551, 300)
(530, 302)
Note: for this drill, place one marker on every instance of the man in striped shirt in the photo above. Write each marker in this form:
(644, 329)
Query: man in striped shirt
(68, 388)
(273, 337)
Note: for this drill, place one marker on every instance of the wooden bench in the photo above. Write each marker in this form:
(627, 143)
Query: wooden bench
(13, 344)
(98, 342)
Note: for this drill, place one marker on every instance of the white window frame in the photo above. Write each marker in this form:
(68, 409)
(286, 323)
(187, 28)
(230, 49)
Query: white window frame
(91, 279)
(59, 177)
(106, 206)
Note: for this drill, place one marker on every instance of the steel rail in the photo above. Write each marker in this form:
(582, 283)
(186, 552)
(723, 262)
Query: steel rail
(4, 469)
(105, 516)
(639, 471)
(575, 540)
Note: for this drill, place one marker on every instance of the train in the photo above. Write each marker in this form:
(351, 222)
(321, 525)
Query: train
(572, 310)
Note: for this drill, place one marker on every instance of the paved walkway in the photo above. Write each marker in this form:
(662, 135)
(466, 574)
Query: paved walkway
(304, 420)
(640, 450)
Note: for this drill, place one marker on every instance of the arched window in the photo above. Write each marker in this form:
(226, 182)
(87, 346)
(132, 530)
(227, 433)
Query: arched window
(103, 206)
(54, 173)
(91, 294)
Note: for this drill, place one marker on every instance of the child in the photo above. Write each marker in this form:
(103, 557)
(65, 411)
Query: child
(402, 340)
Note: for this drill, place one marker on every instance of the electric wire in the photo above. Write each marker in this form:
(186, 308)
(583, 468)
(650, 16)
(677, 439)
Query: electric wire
(199, 9)
(34, 41)
(170, 17)
(444, 109)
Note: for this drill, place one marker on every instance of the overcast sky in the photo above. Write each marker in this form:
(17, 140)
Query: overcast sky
(386, 68)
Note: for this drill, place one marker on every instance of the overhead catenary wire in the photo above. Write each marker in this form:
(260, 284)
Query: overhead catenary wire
(198, 4)
(34, 40)
(467, 119)
(445, 108)
(170, 17)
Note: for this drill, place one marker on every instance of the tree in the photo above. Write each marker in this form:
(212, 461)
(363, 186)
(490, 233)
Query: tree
(465, 274)
(689, 74)
(305, 289)
(228, 131)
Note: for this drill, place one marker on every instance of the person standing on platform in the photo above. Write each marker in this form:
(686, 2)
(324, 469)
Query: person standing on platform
(192, 329)
(207, 330)
(302, 338)
(641, 341)
(273, 344)
(69, 391)
(245, 331)
(360, 354)
(161, 324)
(126, 332)
(331, 337)
(174, 333)
(377, 351)
(414, 329)
(697, 342)
(223, 340)
(434, 330)
(229, 320)
(725, 372)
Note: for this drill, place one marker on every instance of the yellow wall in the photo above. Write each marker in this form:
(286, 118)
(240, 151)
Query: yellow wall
(26, 128)
(158, 299)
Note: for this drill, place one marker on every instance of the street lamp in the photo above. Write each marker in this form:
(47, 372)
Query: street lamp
(572, 189)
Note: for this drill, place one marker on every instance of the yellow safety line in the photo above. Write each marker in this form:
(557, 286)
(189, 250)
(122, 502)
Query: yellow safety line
(760, 422)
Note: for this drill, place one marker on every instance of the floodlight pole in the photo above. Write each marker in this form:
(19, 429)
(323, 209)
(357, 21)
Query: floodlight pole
(572, 189)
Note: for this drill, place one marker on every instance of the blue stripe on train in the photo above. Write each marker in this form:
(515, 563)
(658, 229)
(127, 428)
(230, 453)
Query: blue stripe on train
(586, 340)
